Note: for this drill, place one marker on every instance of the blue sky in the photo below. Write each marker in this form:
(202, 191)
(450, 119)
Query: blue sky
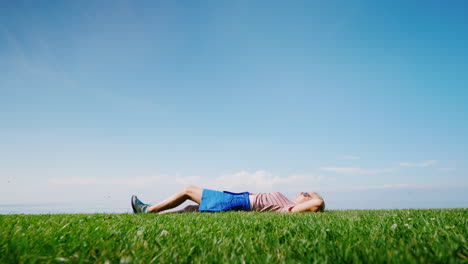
(363, 101)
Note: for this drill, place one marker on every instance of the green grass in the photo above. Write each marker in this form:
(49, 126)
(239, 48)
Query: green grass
(373, 236)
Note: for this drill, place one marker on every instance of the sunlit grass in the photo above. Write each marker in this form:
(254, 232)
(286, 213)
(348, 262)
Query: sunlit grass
(395, 236)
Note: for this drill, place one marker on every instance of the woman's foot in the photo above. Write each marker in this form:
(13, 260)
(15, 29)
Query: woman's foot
(138, 206)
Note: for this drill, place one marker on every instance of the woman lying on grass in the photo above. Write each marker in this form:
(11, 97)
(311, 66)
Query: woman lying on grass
(215, 201)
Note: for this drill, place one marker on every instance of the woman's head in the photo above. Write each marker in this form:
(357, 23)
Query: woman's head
(306, 196)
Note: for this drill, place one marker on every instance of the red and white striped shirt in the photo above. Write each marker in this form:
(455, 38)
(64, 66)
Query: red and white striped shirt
(274, 201)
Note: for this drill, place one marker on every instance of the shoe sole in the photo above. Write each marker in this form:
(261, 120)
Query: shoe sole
(133, 204)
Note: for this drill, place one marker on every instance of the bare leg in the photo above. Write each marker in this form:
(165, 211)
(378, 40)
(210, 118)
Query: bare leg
(188, 193)
(186, 209)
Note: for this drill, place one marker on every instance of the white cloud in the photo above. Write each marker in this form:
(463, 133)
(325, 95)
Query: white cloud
(349, 157)
(425, 163)
(129, 181)
(107, 192)
(356, 170)
(392, 186)
(259, 181)
(446, 169)
(372, 187)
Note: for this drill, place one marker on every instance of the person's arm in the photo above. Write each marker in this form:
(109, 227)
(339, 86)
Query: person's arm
(308, 206)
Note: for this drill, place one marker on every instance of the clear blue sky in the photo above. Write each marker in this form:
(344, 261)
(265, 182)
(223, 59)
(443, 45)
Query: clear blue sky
(350, 98)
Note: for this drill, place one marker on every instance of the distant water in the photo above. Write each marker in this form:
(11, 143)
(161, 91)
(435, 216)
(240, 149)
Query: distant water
(59, 209)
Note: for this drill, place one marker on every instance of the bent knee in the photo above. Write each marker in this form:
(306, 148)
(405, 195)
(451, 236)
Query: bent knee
(188, 190)
(193, 193)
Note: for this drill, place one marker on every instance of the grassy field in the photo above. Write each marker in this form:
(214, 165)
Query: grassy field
(374, 236)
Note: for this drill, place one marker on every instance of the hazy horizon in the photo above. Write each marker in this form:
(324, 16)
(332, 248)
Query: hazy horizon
(364, 102)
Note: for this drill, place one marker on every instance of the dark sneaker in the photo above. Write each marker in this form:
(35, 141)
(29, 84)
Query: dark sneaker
(138, 206)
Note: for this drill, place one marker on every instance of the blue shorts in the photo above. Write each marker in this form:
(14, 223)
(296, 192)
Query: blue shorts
(214, 201)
